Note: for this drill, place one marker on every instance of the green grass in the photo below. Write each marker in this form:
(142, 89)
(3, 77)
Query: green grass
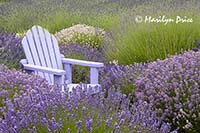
(4, 1)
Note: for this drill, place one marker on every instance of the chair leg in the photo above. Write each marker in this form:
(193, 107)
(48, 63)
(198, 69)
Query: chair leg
(68, 68)
(58, 79)
(94, 75)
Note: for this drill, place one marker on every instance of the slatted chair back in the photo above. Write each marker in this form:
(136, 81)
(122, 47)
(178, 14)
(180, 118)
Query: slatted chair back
(41, 49)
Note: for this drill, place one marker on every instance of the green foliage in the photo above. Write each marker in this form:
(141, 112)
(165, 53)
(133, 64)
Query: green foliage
(4, 1)
(56, 21)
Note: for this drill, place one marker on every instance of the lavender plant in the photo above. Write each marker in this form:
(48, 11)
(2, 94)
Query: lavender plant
(123, 77)
(10, 49)
(39, 107)
(173, 87)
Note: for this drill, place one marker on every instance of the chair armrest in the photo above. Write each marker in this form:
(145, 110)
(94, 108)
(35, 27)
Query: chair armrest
(62, 56)
(41, 69)
(82, 62)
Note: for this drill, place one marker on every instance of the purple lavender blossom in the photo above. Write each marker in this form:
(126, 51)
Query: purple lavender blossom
(108, 123)
(28, 101)
(10, 49)
(172, 86)
(69, 130)
(88, 124)
(120, 76)
(78, 124)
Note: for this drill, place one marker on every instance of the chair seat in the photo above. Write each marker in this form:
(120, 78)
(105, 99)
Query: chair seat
(91, 88)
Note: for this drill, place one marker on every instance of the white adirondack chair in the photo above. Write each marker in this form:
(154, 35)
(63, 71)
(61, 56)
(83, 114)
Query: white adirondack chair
(43, 57)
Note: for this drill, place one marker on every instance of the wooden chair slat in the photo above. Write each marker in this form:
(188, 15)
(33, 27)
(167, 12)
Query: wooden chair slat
(50, 49)
(57, 52)
(40, 51)
(45, 49)
(27, 51)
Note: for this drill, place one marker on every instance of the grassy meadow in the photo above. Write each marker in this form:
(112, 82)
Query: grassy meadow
(128, 41)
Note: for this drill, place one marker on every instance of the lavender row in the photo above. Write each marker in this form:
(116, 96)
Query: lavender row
(172, 86)
(38, 107)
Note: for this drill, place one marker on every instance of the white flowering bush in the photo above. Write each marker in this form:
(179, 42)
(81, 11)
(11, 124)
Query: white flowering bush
(81, 34)
(21, 34)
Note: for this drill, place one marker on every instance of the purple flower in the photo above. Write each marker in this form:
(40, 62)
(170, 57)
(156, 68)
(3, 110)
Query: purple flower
(109, 122)
(117, 126)
(78, 124)
(122, 77)
(69, 130)
(30, 102)
(172, 85)
(88, 124)
(10, 49)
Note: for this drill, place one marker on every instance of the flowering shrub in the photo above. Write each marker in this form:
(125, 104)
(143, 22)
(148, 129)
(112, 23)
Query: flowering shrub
(81, 74)
(15, 87)
(22, 34)
(14, 82)
(87, 39)
(38, 107)
(10, 49)
(173, 87)
(81, 34)
(119, 76)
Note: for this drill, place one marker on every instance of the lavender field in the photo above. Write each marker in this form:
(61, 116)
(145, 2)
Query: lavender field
(150, 82)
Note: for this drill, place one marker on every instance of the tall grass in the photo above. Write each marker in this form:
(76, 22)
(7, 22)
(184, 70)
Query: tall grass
(56, 15)
(144, 42)
(132, 42)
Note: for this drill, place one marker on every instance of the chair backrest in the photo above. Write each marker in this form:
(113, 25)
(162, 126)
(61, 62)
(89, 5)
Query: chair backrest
(41, 49)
